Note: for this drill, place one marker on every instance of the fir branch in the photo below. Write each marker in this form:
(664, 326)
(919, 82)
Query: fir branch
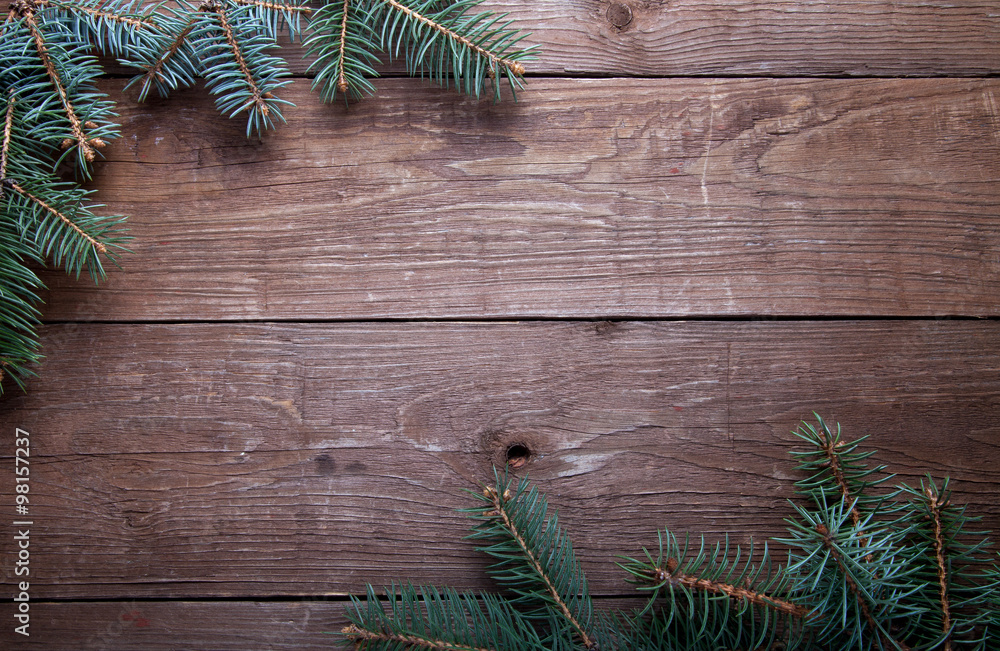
(519, 517)
(274, 6)
(360, 635)
(935, 506)
(343, 43)
(441, 39)
(231, 43)
(87, 147)
(270, 16)
(8, 122)
(499, 504)
(119, 28)
(833, 551)
(828, 597)
(155, 70)
(957, 578)
(218, 8)
(719, 583)
(98, 12)
(854, 599)
(46, 49)
(66, 220)
(497, 62)
(831, 447)
(438, 620)
(342, 49)
(838, 469)
(669, 574)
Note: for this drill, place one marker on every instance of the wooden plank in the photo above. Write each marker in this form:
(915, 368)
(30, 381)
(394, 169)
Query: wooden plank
(206, 460)
(743, 37)
(746, 38)
(306, 624)
(174, 625)
(587, 199)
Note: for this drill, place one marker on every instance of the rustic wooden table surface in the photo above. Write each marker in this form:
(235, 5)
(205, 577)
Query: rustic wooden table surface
(699, 223)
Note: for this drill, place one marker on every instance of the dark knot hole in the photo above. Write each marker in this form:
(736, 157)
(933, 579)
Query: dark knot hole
(517, 455)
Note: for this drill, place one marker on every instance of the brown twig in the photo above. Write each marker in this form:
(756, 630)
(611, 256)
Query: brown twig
(258, 97)
(942, 568)
(17, 188)
(99, 13)
(342, 80)
(360, 634)
(838, 475)
(153, 71)
(88, 147)
(513, 66)
(276, 6)
(669, 574)
(831, 546)
(500, 511)
(11, 17)
(8, 122)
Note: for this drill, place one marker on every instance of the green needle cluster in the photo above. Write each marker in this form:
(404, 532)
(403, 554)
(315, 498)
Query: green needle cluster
(867, 569)
(56, 121)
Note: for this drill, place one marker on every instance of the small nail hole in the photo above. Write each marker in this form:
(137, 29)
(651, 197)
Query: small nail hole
(518, 455)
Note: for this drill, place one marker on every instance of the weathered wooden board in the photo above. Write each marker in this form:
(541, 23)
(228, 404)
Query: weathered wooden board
(309, 624)
(741, 37)
(193, 459)
(589, 198)
(181, 625)
(207, 460)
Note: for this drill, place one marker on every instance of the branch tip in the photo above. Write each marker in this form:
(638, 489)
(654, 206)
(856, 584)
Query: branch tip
(499, 506)
(76, 127)
(512, 67)
(258, 97)
(8, 123)
(939, 554)
(276, 6)
(669, 574)
(341, 78)
(360, 635)
(94, 242)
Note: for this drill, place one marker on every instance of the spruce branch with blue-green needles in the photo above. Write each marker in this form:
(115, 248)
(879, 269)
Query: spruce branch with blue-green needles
(432, 618)
(716, 597)
(57, 122)
(869, 568)
(533, 557)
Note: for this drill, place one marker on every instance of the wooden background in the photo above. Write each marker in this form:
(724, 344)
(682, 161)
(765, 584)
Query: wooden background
(699, 223)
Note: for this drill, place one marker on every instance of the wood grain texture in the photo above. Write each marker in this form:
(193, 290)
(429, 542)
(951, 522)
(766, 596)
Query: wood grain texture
(588, 198)
(743, 37)
(181, 626)
(312, 449)
(657, 38)
(306, 624)
(193, 460)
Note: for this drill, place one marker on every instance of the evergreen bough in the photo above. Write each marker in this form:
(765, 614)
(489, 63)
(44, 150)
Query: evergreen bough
(867, 569)
(55, 121)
